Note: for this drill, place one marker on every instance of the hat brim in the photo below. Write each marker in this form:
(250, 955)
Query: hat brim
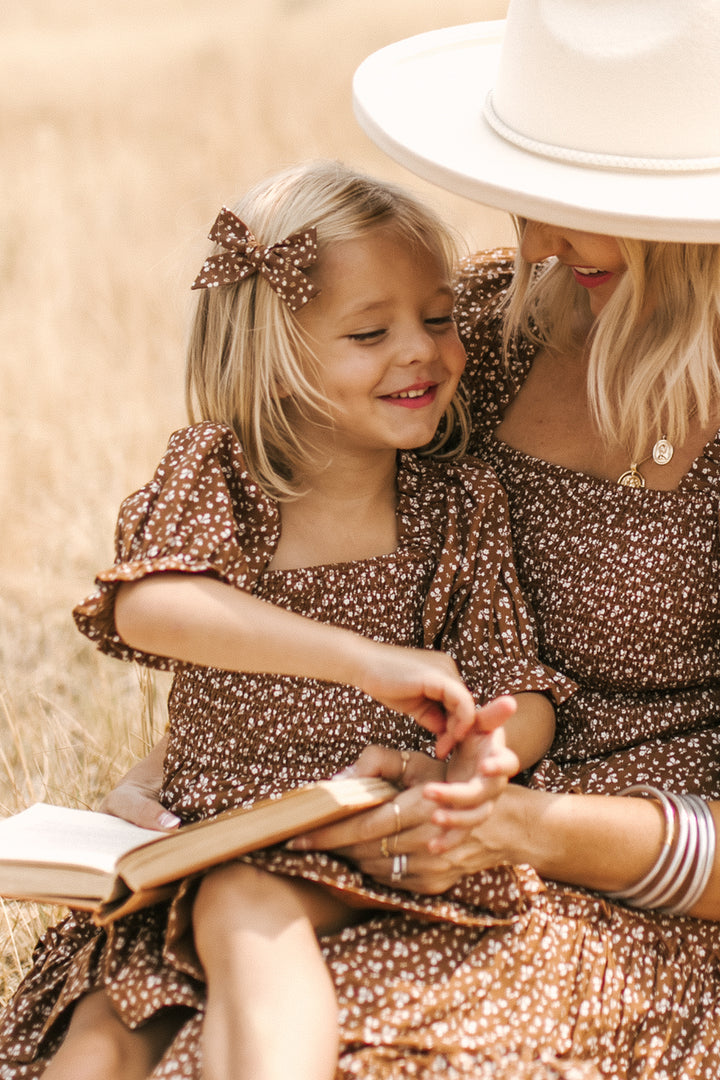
(421, 100)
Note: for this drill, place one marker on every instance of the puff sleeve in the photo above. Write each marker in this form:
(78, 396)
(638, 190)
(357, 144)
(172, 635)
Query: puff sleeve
(200, 514)
(474, 610)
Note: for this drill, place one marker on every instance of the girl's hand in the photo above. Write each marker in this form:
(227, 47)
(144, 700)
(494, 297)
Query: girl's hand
(477, 772)
(424, 684)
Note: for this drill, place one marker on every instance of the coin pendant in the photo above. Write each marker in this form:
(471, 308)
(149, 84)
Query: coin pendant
(662, 451)
(632, 478)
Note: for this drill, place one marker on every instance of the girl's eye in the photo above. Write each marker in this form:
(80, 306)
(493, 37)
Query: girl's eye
(367, 335)
(442, 321)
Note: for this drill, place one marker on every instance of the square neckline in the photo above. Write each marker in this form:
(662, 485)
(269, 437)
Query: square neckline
(684, 487)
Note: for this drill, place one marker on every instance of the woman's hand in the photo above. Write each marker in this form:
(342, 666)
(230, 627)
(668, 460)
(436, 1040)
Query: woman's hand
(428, 870)
(136, 797)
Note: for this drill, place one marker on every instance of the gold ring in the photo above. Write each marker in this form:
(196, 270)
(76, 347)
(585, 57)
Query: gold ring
(393, 839)
(384, 849)
(396, 810)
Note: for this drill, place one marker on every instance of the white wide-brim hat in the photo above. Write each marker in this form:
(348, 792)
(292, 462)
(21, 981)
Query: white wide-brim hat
(597, 116)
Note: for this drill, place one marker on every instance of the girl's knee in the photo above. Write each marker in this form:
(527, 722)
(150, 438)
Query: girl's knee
(95, 1046)
(99, 1046)
(230, 886)
(239, 896)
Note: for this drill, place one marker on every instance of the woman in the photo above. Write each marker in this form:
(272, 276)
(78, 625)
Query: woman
(611, 357)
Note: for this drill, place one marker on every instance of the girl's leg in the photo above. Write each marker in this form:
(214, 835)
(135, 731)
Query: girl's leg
(98, 1046)
(271, 1008)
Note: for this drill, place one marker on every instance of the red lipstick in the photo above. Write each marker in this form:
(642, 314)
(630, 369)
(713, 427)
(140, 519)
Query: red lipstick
(590, 279)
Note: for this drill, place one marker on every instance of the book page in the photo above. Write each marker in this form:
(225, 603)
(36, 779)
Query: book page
(56, 835)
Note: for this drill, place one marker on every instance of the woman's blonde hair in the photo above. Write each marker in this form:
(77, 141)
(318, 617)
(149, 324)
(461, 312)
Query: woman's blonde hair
(653, 350)
(246, 347)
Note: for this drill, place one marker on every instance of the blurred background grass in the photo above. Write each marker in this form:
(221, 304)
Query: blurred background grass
(123, 128)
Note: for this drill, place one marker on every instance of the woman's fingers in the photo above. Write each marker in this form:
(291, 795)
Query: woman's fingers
(495, 713)
(503, 763)
(424, 872)
(456, 824)
(403, 814)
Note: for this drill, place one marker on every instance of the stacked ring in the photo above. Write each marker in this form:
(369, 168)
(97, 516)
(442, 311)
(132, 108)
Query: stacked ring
(399, 867)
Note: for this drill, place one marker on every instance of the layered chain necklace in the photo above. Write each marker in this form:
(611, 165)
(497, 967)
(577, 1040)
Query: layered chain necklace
(662, 453)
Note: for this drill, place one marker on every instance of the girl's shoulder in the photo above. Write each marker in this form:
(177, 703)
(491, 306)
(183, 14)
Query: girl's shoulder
(203, 439)
(205, 444)
(203, 463)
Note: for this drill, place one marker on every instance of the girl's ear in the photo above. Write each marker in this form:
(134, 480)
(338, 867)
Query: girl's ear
(281, 389)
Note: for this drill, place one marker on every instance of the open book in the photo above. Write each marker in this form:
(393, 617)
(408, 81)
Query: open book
(95, 862)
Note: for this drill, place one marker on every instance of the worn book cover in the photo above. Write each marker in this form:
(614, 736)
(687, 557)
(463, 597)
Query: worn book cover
(95, 862)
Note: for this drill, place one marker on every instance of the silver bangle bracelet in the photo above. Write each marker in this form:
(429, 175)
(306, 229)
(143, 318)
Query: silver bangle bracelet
(667, 887)
(704, 858)
(688, 852)
(667, 849)
(682, 870)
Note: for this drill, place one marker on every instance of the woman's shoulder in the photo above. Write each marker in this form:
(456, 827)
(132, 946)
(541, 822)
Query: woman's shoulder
(463, 486)
(481, 285)
(491, 377)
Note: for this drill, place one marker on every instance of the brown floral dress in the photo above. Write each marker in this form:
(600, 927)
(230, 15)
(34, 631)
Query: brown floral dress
(234, 738)
(625, 590)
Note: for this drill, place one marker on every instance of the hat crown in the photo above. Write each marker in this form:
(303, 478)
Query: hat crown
(635, 78)
(598, 115)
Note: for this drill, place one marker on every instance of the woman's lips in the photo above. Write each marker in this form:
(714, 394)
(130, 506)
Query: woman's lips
(589, 277)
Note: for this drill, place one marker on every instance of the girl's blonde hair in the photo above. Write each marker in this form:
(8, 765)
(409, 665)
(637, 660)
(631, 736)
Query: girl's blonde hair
(246, 347)
(653, 350)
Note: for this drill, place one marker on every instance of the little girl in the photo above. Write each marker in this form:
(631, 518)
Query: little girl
(319, 579)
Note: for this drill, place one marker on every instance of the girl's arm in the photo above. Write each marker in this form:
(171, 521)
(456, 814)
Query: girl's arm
(200, 620)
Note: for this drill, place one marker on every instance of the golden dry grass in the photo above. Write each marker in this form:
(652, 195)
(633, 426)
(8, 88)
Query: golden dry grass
(123, 128)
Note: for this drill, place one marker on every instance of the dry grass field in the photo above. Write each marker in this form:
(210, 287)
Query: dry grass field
(123, 128)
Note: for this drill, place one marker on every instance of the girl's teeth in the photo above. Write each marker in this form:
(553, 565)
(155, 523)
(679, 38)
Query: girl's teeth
(409, 394)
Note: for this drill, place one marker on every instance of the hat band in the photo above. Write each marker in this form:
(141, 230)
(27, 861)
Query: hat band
(587, 157)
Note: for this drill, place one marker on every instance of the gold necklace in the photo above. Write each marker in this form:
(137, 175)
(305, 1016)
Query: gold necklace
(662, 452)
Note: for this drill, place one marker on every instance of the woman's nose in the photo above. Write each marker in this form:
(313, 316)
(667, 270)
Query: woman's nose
(540, 241)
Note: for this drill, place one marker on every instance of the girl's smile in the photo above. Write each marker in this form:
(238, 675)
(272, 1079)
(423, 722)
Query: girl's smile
(415, 397)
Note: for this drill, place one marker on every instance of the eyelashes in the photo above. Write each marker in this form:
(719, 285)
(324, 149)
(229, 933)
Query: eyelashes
(370, 336)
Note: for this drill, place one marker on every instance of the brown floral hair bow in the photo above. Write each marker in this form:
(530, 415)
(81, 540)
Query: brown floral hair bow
(280, 264)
